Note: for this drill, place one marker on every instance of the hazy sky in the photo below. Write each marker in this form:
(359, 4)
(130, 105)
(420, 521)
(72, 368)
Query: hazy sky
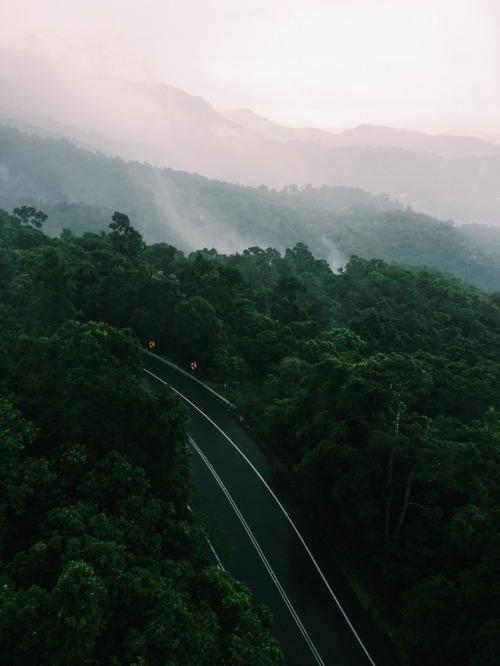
(432, 65)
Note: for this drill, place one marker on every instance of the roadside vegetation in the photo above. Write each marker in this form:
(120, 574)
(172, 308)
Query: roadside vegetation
(101, 561)
(376, 388)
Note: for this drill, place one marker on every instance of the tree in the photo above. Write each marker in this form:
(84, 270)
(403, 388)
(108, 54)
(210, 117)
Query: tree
(30, 216)
(434, 621)
(245, 633)
(78, 608)
(15, 490)
(487, 642)
(124, 237)
(52, 290)
(197, 329)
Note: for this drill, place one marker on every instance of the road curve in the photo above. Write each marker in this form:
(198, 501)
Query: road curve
(266, 540)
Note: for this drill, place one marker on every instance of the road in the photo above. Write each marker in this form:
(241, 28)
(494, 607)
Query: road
(267, 542)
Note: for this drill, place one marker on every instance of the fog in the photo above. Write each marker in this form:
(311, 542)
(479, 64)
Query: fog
(194, 228)
(165, 83)
(430, 66)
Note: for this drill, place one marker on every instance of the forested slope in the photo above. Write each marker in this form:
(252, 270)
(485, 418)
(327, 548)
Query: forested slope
(80, 190)
(101, 560)
(376, 387)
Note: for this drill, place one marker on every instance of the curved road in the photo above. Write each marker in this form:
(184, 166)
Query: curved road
(267, 541)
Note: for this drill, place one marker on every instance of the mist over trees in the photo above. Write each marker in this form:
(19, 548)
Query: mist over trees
(375, 387)
(80, 190)
(444, 176)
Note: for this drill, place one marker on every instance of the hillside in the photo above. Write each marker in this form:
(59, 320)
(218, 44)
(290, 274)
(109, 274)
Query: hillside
(444, 145)
(376, 388)
(82, 189)
(102, 560)
(449, 177)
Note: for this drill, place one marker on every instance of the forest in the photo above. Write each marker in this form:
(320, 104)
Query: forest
(80, 190)
(102, 558)
(375, 388)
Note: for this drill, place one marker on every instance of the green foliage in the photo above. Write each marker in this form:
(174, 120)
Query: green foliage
(80, 190)
(376, 389)
(124, 237)
(100, 559)
(429, 606)
(30, 216)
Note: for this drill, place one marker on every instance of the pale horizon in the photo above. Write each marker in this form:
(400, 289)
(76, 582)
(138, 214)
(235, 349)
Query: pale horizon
(431, 66)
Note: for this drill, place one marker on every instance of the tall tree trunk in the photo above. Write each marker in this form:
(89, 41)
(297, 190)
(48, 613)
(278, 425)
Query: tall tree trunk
(388, 494)
(390, 471)
(406, 500)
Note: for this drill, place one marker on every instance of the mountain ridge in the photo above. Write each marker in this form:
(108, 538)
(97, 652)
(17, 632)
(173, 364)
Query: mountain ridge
(80, 190)
(444, 176)
(382, 136)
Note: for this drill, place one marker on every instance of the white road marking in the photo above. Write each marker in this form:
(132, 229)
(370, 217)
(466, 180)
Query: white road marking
(316, 565)
(214, 552)
(260, 553)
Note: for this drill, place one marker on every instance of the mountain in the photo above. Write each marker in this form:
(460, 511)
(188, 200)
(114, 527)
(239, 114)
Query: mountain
(442, 145)
(489, 137)
(184, 209)
(80, 190)
(267, 128)
(449, 177)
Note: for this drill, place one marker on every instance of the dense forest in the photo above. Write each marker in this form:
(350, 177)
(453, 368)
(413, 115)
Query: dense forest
(80, 190)
(102, 561)
(375, 387)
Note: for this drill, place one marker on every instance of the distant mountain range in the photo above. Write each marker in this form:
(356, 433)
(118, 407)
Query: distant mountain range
(449, 177)
(80, 190)
(447, 146)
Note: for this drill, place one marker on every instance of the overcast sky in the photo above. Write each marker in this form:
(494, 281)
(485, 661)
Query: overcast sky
(432, 65)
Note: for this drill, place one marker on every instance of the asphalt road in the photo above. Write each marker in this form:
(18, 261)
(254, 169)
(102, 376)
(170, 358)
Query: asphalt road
(265, 540)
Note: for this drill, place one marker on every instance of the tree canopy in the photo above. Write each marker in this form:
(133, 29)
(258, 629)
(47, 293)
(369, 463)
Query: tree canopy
(375, 387)
(101, 560)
